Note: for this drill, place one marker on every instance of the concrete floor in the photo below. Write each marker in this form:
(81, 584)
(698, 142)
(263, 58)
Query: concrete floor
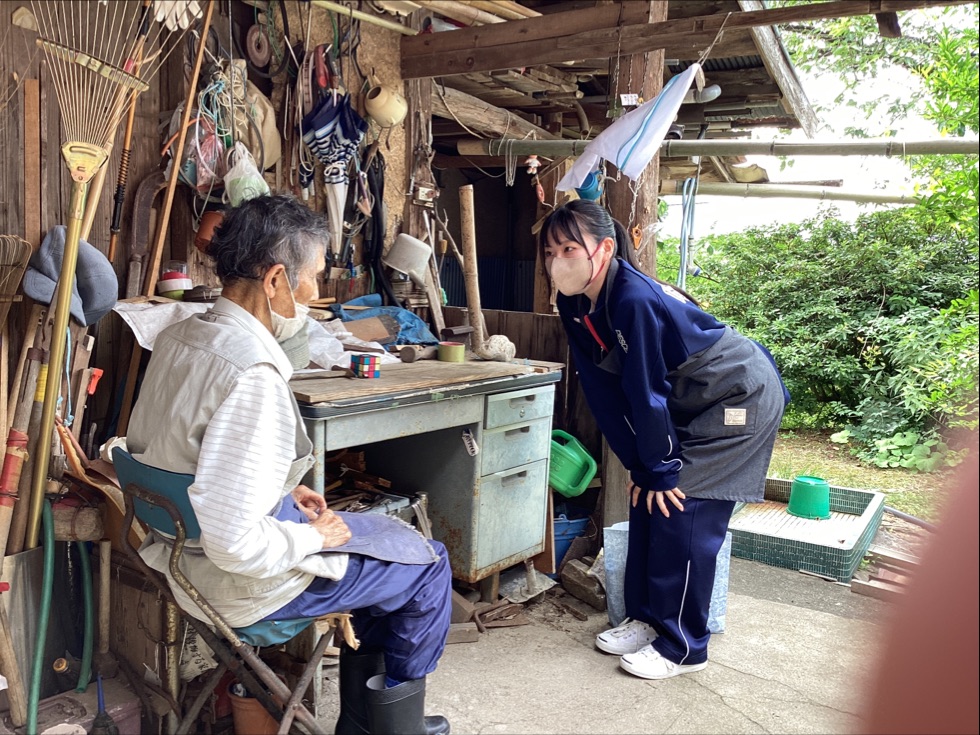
(796, 657)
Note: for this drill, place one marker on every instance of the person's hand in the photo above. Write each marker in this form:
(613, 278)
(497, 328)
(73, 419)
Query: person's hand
(660, 497)
(309, 501)
(332, 528)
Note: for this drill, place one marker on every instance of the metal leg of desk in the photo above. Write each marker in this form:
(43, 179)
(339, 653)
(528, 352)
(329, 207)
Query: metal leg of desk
(317, 432)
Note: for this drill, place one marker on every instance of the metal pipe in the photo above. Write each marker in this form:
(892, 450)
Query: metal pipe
(172, 649)
(670, 187)
(366, 17)
(911, 519)
(685, 148)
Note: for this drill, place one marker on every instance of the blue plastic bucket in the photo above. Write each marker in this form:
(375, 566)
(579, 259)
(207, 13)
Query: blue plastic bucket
(566, 531)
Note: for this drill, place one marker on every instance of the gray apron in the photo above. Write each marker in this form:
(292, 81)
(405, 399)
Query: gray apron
(726, 404)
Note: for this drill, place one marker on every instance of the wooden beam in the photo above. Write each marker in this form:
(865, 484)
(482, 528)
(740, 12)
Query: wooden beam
(777, 61)
(32, 162)
(606, 31)
(635, 205)
(484, 118)
(462, 12)
(445, 160)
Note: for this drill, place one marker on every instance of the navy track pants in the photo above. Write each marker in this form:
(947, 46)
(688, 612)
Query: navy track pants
(670, 573)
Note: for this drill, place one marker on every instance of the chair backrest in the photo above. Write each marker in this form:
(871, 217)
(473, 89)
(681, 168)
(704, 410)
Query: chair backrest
(171, 485)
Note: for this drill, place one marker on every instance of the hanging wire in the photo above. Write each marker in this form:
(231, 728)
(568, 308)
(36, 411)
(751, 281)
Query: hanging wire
(688, 196)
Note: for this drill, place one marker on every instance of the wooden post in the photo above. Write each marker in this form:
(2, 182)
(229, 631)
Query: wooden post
(639, 74)
(32, 162)
(151, 270)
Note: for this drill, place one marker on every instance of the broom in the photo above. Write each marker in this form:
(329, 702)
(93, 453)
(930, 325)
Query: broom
(92, 50)
(14, 254)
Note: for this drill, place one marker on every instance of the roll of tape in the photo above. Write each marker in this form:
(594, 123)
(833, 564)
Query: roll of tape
(174, 284)
(452, 351)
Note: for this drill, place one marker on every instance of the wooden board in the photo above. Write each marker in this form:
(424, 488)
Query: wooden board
(381, 329)
(879, 590)
(403, 378)
(893, 557)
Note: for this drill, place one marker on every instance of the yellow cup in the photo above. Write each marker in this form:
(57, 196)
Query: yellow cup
(452, 351)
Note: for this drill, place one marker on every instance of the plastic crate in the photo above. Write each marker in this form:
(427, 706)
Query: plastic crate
(765, 532)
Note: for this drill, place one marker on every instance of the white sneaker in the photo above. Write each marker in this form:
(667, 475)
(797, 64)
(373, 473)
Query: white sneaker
(647, 663)
(629, 637)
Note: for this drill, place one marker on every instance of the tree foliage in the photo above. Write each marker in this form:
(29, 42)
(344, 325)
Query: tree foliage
(867, 320)
(930, 72)
(888, 79)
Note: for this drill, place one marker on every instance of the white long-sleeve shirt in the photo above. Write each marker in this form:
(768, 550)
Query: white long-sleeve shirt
(243, 464)
(215, 403)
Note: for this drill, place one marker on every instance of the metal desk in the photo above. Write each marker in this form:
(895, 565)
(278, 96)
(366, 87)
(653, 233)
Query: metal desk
(488, 508)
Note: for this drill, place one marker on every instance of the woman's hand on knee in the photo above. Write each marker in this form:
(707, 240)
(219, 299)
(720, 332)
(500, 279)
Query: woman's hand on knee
(659, 497)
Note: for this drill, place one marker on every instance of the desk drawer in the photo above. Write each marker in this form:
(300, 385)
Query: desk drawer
(513, 506)
(519, 406)
(510, 446)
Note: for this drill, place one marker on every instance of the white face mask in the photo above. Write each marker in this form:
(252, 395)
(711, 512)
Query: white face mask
(283, 327)
(572, 276)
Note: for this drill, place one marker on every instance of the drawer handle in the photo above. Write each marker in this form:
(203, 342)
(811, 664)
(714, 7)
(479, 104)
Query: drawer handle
(528, 399)
(521, 430)
(511, 479)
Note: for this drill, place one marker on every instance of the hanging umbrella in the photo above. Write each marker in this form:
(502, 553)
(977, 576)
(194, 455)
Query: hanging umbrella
(333, 131)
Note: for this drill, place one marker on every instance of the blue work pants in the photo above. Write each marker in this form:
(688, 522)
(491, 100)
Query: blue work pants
(402, 609)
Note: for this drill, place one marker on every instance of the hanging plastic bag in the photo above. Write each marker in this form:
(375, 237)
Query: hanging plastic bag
(203, 162)
(244, 180)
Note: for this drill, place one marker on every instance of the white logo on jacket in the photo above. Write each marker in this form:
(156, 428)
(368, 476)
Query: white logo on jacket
(672, 292)
(622, 341)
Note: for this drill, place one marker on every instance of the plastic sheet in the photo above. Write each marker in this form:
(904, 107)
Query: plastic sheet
(616, 542)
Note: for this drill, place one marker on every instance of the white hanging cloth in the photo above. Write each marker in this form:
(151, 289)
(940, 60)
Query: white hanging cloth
(633, 140)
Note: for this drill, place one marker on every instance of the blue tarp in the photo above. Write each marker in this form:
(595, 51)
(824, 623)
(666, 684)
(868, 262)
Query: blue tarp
(411, 329)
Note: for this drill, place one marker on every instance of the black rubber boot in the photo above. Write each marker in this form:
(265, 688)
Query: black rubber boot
(401, 709)
(356, 667)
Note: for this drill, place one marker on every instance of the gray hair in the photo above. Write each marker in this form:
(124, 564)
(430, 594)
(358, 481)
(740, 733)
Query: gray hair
(264, 231)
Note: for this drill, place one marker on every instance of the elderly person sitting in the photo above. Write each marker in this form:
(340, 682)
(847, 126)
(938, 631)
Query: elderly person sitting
(215, 403)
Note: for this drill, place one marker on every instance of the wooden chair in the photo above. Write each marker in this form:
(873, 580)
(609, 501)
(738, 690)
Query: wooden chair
(159, 499)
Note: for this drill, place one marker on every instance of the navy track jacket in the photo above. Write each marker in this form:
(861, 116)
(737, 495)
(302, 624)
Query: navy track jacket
(639, 332)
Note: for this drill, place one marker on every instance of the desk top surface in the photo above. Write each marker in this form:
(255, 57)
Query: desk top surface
(422, 376)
